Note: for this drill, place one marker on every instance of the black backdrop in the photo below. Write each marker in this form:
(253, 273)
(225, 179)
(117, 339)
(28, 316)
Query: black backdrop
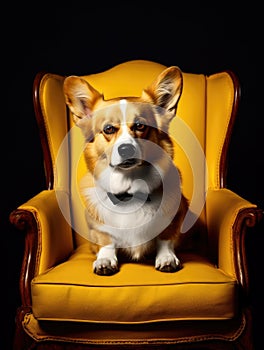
(83, 39)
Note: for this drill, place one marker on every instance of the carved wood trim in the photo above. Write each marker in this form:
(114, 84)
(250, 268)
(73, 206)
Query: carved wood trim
(22, 341)
(74, 335)
(224, 156)
(25, 221)
(49, 174)
(247, 218)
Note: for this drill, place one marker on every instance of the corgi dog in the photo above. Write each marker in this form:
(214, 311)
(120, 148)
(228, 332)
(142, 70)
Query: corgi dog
(132, 188)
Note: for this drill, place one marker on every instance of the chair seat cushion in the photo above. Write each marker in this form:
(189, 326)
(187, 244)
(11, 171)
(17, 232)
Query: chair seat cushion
(138, 293)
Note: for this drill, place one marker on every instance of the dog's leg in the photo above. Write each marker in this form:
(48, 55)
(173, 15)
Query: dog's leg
(106, 262)
(166, 260)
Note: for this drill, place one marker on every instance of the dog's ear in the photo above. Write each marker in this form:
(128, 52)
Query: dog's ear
(80, 97)
(166, 89)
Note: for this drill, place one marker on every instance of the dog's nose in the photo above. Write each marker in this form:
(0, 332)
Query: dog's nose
(126, 150)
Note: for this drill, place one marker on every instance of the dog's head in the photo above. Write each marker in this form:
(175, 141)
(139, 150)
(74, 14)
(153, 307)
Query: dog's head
(115, 129)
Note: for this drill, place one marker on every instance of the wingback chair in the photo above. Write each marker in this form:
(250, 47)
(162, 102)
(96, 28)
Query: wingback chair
(205, 305)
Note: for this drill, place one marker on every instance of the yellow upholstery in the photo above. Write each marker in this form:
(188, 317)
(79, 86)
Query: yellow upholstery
(74, 293)
(206, 292)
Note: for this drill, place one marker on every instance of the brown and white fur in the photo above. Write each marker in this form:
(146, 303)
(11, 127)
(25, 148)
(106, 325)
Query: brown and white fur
(132, 188)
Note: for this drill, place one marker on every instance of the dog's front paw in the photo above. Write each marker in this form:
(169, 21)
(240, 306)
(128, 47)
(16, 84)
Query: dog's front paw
(105, 267)
(168, 263)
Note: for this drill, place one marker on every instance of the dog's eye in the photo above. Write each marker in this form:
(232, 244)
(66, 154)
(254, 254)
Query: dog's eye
(109, 129)
(139, 127)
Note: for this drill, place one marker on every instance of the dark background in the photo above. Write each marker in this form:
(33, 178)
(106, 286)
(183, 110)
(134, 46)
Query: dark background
(89, 38)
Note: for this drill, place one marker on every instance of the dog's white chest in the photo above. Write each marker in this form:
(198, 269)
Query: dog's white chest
(132, 222)
(140, 217)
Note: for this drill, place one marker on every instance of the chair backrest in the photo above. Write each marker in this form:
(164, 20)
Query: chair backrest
(201, 130)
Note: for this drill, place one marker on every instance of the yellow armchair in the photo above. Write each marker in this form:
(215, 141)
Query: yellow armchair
(205, 304)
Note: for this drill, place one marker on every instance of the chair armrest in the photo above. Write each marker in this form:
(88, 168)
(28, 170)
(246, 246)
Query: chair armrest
(228, 218)
(48, 236)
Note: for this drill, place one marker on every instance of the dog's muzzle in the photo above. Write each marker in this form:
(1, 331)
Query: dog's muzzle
(127, 152)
